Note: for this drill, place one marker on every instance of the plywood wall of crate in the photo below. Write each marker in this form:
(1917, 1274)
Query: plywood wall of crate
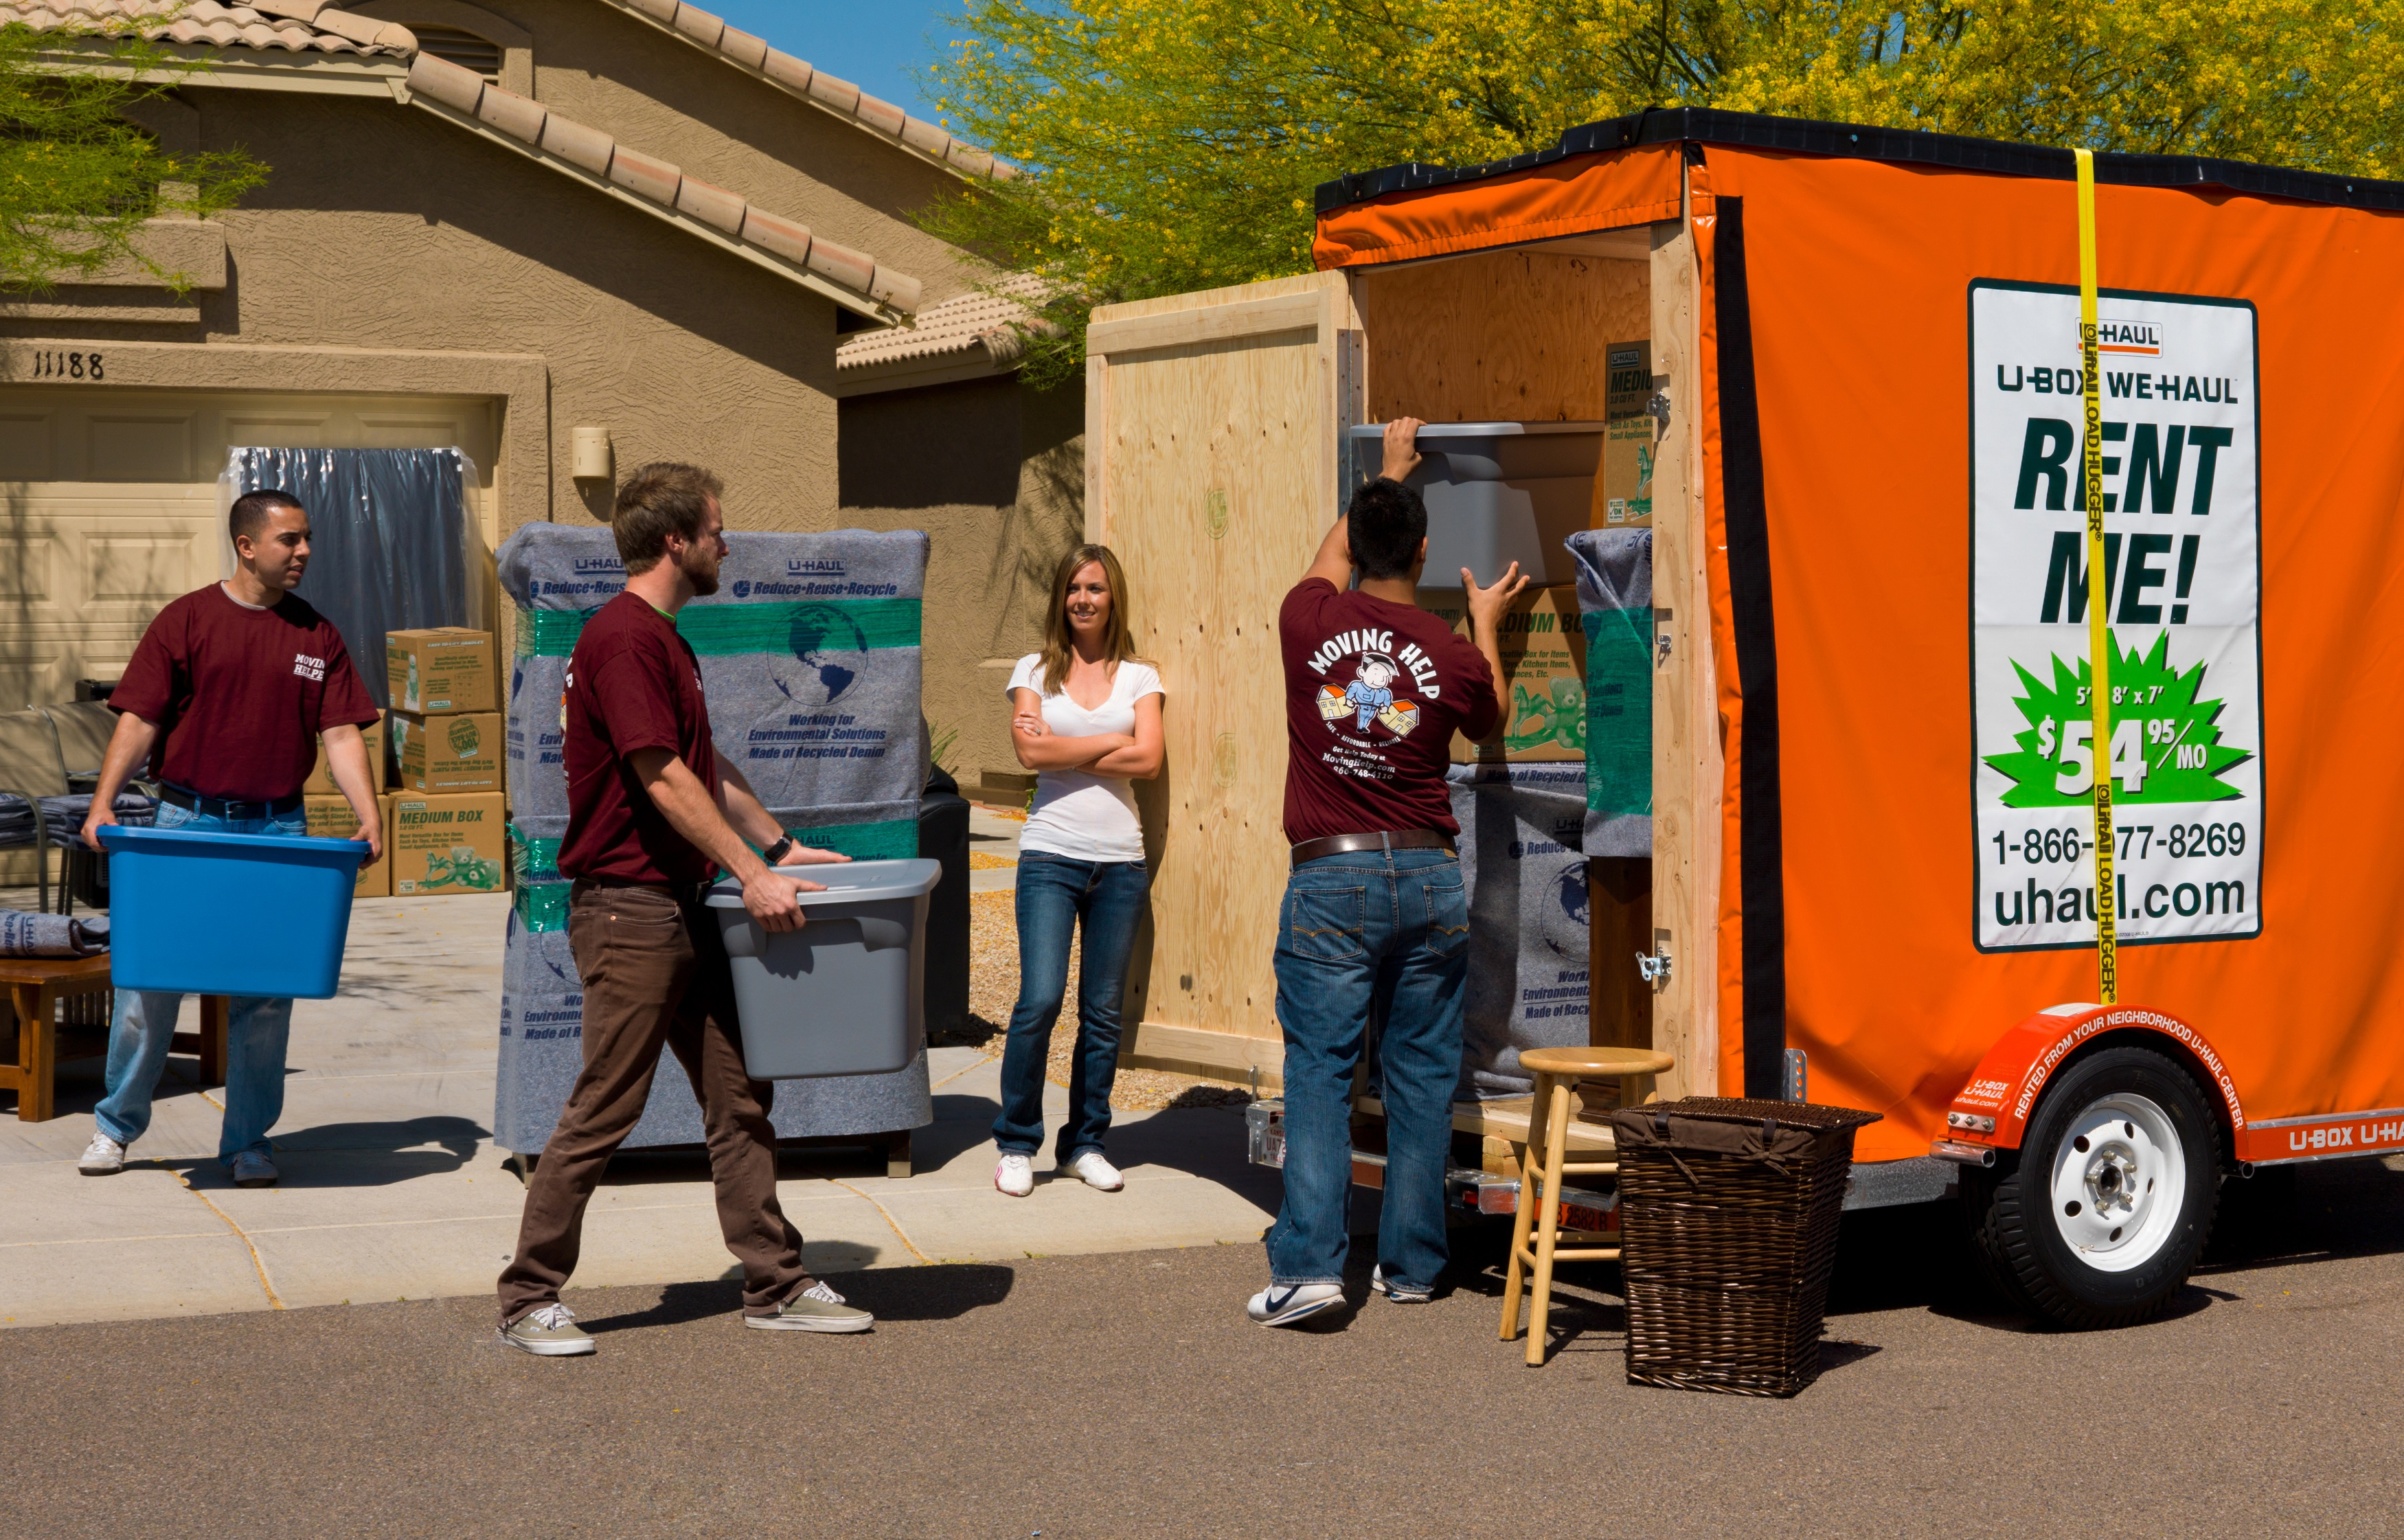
(1211, 470)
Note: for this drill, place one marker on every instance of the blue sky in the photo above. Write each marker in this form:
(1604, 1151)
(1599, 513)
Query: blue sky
(882, 45)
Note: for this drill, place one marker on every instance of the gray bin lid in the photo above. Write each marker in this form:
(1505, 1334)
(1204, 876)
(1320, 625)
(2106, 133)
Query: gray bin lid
(846, 882)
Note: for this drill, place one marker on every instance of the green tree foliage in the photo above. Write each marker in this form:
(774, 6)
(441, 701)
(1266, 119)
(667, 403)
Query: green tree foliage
(1173, 145)
(76, 176)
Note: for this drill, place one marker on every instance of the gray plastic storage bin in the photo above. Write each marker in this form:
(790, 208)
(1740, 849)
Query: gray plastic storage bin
(843, 995)
(1497, 492)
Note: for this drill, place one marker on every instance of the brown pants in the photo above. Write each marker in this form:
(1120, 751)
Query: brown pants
(654, 972)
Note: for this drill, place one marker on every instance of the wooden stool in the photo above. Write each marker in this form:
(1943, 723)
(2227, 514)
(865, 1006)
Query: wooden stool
(1557, 1072)
(37, 985)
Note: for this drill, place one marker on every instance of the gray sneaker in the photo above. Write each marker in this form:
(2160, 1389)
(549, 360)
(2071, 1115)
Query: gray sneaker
(548, 1331)
(815, 1309)
(252, 1169)
(103, 1156)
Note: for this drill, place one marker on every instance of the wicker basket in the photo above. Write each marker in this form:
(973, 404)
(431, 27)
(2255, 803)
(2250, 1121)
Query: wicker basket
(1730, 1213)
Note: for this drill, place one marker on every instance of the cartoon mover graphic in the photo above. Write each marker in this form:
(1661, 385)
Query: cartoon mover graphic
(1370, 697)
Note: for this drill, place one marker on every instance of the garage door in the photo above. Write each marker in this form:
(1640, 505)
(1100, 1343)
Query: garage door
(111, 505)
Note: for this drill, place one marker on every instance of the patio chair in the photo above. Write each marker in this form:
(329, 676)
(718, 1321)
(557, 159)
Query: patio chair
(84, 729)
(30, 770)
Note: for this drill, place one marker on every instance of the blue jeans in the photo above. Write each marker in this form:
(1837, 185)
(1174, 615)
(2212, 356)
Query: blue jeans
(1054, 893)
(1369, 937)
(257, 1030)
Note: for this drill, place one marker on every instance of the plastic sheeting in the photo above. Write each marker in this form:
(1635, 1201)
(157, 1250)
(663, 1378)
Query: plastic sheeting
(392, 546)
(1614, 584)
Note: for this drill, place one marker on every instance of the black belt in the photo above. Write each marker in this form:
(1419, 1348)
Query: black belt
(222, 807)
(1342, 844)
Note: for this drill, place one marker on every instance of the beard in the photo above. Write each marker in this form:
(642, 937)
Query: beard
(704, 578)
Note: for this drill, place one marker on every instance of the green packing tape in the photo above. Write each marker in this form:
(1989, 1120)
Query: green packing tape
(543, 906)
(542, 892)
(894, 839)
(721, 630)
(1620, 711)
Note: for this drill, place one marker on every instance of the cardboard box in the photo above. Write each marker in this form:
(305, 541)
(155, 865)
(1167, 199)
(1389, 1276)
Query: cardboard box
(1543, 684)
(1627, 379)
(459, 753)
(441, 671)
(438, 845)
(330, 817)
(321, 780)
(1623, 497)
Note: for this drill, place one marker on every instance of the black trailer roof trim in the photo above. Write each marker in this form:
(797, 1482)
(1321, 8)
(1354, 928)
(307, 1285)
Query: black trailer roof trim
(1903, 146)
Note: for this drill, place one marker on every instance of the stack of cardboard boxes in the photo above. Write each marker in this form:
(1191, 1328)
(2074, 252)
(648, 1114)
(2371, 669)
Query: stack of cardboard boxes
(437, 760)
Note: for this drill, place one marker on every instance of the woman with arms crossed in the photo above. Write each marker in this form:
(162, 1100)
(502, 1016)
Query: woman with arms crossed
(1086, 718)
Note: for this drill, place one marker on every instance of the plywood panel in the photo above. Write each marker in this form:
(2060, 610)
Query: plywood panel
(1212, 475)
(1686, 758)
(1513, 336)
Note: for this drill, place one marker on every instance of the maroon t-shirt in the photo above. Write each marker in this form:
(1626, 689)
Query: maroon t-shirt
(1374, 691)
(633, 682)
(241, 694)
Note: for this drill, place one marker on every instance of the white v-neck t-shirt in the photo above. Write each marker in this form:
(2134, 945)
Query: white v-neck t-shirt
(1077, 814)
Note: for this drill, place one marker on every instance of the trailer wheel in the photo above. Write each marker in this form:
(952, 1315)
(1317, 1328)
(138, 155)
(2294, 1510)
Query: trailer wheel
(2111, 1199)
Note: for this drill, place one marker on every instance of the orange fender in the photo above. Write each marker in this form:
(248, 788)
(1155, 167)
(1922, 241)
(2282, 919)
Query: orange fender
(1993, 1111)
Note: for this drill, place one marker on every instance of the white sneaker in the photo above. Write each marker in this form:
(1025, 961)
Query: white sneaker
(1400, 1296)
(1015, 1176)
(252, 1169)
(1089, 1167)
(1283, 1305)
(103, 1156)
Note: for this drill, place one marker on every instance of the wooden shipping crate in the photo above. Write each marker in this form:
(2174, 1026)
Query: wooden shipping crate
(1214, 469)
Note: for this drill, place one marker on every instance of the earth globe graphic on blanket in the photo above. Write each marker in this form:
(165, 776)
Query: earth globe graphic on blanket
(1563, 922)
(832, 651)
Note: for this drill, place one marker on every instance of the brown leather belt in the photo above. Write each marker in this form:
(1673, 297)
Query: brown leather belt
(1343, 845)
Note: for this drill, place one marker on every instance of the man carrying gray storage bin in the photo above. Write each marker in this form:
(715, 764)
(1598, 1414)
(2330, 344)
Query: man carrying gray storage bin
(651, 806)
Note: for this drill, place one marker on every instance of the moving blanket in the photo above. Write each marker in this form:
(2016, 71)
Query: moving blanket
(1520, 826)
(809, 656)
(1614, 584)
(27, 934)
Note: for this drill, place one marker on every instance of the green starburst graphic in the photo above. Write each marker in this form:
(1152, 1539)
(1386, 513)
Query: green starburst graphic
(2165, 745)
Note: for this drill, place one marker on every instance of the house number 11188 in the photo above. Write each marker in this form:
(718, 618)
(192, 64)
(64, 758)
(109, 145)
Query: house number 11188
(67, 366)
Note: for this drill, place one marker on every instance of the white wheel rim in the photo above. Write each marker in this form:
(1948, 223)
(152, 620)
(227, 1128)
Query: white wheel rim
(2119, 1182)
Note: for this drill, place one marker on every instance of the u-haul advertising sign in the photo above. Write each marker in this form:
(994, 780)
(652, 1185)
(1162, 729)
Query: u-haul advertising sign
(2182, 591)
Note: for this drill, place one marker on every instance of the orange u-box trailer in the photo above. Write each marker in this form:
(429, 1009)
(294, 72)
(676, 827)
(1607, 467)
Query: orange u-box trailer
(1873, 867)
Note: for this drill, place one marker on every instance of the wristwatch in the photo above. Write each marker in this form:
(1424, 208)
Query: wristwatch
(778, 851)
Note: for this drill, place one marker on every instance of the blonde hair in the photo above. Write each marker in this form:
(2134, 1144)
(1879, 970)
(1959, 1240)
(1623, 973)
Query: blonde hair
(1118, 643)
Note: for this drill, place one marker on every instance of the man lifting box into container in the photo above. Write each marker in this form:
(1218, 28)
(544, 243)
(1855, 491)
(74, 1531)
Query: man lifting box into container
(1375, 926)
(651, 805)
(231, 687)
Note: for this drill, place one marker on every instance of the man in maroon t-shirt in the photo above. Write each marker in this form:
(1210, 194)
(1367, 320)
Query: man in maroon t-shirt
(239, 680)
(652, 810)
(1375, 924)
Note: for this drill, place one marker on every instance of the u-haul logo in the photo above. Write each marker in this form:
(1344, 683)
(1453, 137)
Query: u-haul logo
(2144, 337)
(2345, 1136)
(814, 566)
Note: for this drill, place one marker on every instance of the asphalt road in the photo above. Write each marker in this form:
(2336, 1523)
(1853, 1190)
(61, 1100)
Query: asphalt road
(1125, 1396)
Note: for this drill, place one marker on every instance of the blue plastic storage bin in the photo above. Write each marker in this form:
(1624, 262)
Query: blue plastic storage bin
(229, 913)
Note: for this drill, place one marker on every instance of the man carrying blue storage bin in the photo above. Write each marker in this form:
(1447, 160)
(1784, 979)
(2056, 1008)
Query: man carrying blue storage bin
(227, 697)
(652, 806)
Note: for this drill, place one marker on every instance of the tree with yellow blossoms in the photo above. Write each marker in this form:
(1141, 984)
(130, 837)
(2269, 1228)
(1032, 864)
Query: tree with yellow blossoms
(1174, 144)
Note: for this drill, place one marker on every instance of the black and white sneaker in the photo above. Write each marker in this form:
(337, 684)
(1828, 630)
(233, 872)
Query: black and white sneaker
(1283, 1304)
(1400, 1296)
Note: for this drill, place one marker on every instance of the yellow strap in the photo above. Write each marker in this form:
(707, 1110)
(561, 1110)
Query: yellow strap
(2099, 585)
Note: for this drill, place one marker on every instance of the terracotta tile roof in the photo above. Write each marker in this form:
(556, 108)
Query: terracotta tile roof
(988, 319)
(657, 181)
(294, 27)
(796, 77)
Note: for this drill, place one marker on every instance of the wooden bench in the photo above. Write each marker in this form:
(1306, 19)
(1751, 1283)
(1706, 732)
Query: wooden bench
(35, 986)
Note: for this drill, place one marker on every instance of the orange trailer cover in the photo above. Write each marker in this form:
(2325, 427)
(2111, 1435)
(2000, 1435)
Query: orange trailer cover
(1848, 445)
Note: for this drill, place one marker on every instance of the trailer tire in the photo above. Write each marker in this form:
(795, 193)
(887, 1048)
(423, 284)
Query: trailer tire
(2107, 1207)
